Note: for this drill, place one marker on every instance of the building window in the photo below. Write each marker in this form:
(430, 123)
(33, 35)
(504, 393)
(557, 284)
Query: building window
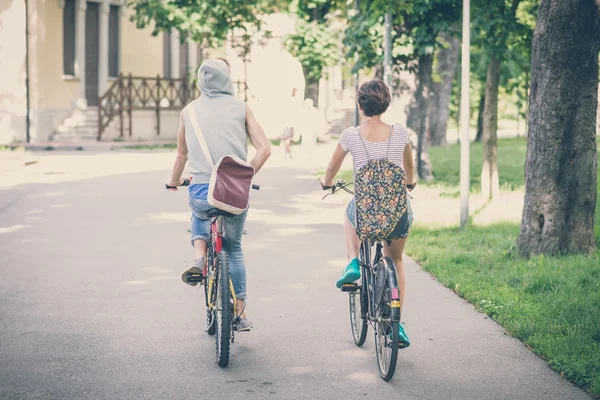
(113, 41)
(167, 54)
(69, 38)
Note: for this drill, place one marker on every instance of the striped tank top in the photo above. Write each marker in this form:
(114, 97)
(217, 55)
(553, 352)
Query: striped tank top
(350, 141)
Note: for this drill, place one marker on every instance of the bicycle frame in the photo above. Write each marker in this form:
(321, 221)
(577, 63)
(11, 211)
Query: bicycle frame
(368, 281)
(214, 248)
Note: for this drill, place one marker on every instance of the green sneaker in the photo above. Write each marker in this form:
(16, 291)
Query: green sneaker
(403, 341)
(351, 273)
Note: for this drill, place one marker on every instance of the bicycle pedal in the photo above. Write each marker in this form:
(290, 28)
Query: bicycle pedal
(190, 277)
(349, 287)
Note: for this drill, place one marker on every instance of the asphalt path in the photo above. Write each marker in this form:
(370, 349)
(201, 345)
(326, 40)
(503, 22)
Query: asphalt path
(92, 305)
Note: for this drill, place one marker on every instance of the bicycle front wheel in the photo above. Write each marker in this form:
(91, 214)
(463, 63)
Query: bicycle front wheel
(387, 317)
(223, 311)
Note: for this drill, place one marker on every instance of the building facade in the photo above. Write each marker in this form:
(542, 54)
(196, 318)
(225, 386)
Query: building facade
(76, 49)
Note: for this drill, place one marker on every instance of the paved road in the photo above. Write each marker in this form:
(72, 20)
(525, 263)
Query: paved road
(92, 306)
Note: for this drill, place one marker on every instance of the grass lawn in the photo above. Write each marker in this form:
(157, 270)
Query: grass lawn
(552, 304)
(511, 164)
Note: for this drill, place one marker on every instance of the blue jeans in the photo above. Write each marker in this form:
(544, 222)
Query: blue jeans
(232, 240)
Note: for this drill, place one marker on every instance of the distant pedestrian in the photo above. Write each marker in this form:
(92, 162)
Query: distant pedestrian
(286, 139)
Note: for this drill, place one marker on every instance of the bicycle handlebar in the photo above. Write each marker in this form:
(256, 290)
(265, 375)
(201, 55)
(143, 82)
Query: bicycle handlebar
(340, 184)
(186, 182)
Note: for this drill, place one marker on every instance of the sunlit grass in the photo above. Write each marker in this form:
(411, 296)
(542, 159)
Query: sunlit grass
(511, 162)
(550, 303)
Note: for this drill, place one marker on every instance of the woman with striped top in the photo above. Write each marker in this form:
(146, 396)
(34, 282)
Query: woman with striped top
(374, 140)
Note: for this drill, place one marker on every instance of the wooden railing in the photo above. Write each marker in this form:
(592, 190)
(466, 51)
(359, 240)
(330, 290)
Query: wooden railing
(128, 94)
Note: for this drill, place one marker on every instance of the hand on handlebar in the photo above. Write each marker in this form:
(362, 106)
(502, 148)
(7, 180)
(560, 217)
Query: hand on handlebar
(340, 184)
(325, 187)
(169, 185)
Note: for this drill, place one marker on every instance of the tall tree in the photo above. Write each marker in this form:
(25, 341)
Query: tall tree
(439, 111)
(316, 45)
(496, 20)
(561, 165)
(480, 109)
(419, 27)
(317, 39)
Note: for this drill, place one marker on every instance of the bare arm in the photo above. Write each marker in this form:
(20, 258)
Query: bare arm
(181, 159)
(409, 165)
(334, 165)
(259, 141)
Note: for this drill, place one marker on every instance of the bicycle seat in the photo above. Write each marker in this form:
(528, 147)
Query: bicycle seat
(215, 212)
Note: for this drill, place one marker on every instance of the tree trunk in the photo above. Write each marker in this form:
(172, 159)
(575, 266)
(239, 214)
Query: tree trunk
(561, 165)
(421, 121)
(480, 116)
(442, 91)
(311, 90)
(490, 183)
(413, 113)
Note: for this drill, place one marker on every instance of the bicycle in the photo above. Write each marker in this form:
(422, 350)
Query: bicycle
(374, 300)
(222, 315)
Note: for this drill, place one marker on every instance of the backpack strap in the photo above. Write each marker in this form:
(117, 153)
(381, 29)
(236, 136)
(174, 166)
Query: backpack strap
(387, 152)
(363, 143)
(198, 132)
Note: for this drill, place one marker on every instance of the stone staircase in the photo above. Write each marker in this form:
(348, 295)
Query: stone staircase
(80, 126)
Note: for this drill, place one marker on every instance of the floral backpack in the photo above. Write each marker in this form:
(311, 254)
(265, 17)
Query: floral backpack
(380, 196)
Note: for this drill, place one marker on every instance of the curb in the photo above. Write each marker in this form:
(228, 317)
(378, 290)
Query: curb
(79, 146)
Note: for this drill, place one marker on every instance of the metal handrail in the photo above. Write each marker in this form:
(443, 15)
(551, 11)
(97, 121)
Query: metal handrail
(132, 93)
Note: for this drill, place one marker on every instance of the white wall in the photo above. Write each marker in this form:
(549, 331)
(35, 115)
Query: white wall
(12, 71)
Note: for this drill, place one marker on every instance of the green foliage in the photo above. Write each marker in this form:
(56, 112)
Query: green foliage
(319, 10)
(514, 78)
(316, 45)
(202, 21)
(364, 40)
(504, 29)
(416, 26)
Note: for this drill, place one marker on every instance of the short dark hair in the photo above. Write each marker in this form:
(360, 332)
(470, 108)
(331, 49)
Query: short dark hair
(374, 97)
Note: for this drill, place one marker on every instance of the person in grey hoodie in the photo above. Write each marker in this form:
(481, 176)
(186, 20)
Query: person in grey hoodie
(226, 123)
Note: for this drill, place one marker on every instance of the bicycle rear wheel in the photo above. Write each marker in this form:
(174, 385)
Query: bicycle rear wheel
(210, 312)
(387, 317)
(358, 320)
(223, 311)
